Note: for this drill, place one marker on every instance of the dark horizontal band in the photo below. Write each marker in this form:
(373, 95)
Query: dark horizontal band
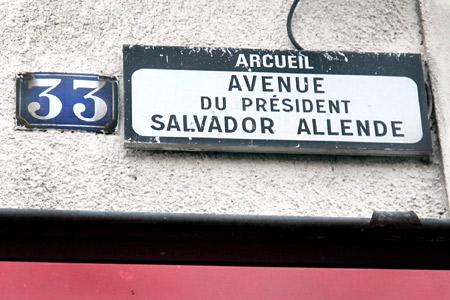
(110, 237)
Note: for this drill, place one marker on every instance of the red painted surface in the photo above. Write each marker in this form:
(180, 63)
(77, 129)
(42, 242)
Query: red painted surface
(51, 281)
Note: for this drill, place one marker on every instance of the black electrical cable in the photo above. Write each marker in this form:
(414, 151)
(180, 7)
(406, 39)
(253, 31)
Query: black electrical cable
(289, 25)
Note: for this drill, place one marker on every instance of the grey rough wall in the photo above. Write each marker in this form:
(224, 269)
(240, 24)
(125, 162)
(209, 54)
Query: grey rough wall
(77, 170)
(436, 27)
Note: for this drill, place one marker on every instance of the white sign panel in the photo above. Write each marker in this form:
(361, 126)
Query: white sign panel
(211, 104)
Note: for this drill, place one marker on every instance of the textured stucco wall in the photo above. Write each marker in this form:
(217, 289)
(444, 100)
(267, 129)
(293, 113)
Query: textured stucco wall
(77, 170)
(436, 27)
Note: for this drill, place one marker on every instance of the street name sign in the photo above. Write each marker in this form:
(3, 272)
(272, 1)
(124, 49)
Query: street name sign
(249, 100)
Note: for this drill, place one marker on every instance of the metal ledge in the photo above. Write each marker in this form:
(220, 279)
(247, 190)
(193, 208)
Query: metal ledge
(110, 237)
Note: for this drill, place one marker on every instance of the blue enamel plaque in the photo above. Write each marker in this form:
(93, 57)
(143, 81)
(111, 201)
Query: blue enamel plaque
(66, 101)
